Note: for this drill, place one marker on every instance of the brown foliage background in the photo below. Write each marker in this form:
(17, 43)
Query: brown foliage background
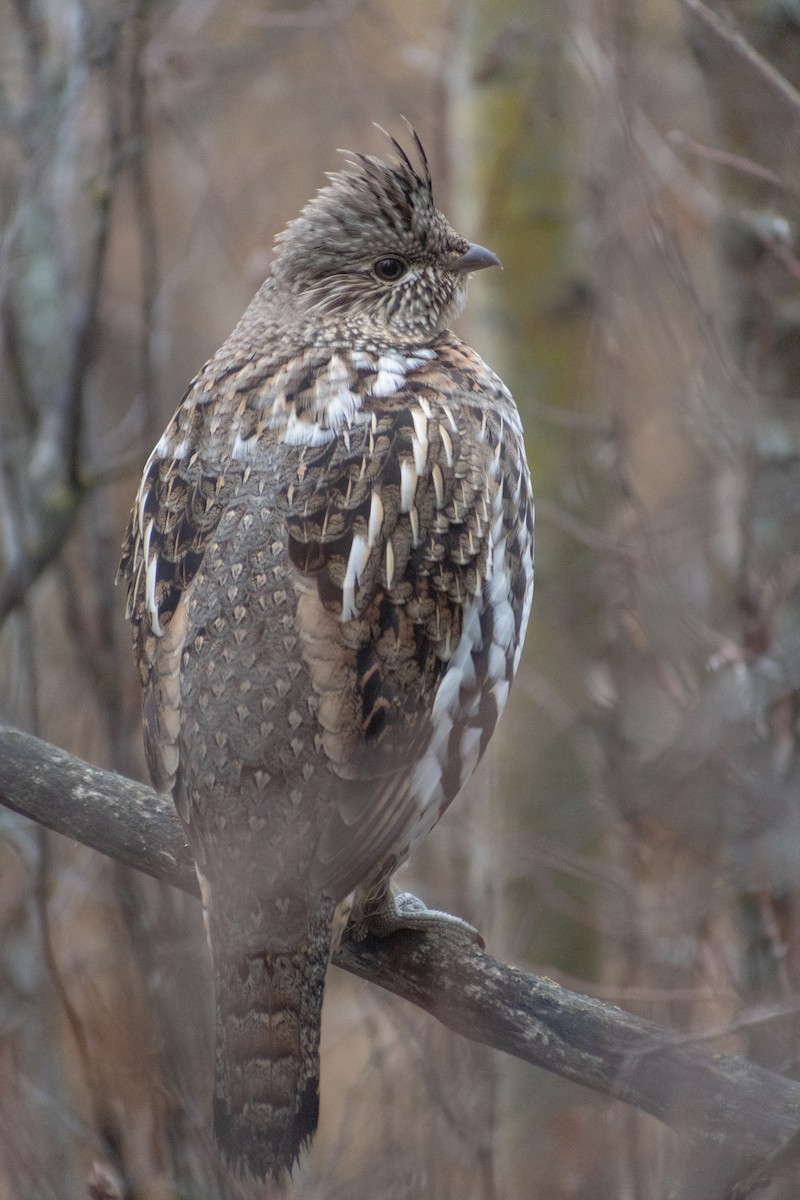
(635, 829)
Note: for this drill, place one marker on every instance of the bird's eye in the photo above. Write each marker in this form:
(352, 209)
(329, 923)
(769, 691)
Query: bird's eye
(390, 269)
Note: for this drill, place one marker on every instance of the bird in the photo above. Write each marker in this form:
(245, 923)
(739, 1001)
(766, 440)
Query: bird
(329, 564)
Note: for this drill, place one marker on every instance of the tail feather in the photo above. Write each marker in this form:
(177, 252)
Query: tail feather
(269, 1008)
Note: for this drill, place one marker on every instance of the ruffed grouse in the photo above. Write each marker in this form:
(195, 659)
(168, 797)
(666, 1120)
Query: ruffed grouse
(330, 567)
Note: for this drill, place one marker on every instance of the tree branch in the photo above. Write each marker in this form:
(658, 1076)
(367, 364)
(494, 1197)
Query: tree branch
(755, 87)
(746, 1111)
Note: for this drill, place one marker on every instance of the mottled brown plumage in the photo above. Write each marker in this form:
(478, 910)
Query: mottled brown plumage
(329, 564)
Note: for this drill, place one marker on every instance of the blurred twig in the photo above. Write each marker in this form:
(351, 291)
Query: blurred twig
(724, 158)
(723, 47)
(731, 64)
(47, 476)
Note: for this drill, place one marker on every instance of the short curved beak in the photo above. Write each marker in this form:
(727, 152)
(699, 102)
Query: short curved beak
(475, 259)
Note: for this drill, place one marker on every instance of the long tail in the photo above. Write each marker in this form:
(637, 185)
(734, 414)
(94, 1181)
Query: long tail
(269, 1007)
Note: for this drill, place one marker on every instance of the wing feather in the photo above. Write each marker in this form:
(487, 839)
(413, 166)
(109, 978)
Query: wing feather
(400, 517)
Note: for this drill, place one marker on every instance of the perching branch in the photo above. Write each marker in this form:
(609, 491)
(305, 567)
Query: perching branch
(746, 1111)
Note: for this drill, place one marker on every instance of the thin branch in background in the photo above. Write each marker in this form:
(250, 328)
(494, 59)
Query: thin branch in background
(55, 976)
(21, 388)
(724, 158)
(591, 424)
(783, 1160)
(32, 29)
(586, 535)
(20, 576)
(70, 407)
(779, 244)
(144, 209)
(51, 506)
(721, 46)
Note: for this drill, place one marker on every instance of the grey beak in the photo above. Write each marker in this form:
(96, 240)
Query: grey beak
(475, 259)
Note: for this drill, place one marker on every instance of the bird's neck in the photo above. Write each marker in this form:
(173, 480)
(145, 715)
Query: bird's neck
(276, 319)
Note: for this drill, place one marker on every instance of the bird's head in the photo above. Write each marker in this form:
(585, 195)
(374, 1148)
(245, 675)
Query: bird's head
(372, 254)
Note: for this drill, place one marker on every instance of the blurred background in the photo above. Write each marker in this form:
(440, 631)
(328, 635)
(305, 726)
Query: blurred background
(634, 831)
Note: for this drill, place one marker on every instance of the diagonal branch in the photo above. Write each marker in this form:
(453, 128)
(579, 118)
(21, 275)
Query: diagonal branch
(728, 1102)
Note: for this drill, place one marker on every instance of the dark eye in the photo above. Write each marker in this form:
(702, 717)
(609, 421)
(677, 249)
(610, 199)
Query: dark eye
(390, 269)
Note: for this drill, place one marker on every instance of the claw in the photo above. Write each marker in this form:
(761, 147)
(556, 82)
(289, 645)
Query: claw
(406, 911)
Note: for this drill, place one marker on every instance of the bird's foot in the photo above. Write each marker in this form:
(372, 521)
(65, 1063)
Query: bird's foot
(406, 911)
